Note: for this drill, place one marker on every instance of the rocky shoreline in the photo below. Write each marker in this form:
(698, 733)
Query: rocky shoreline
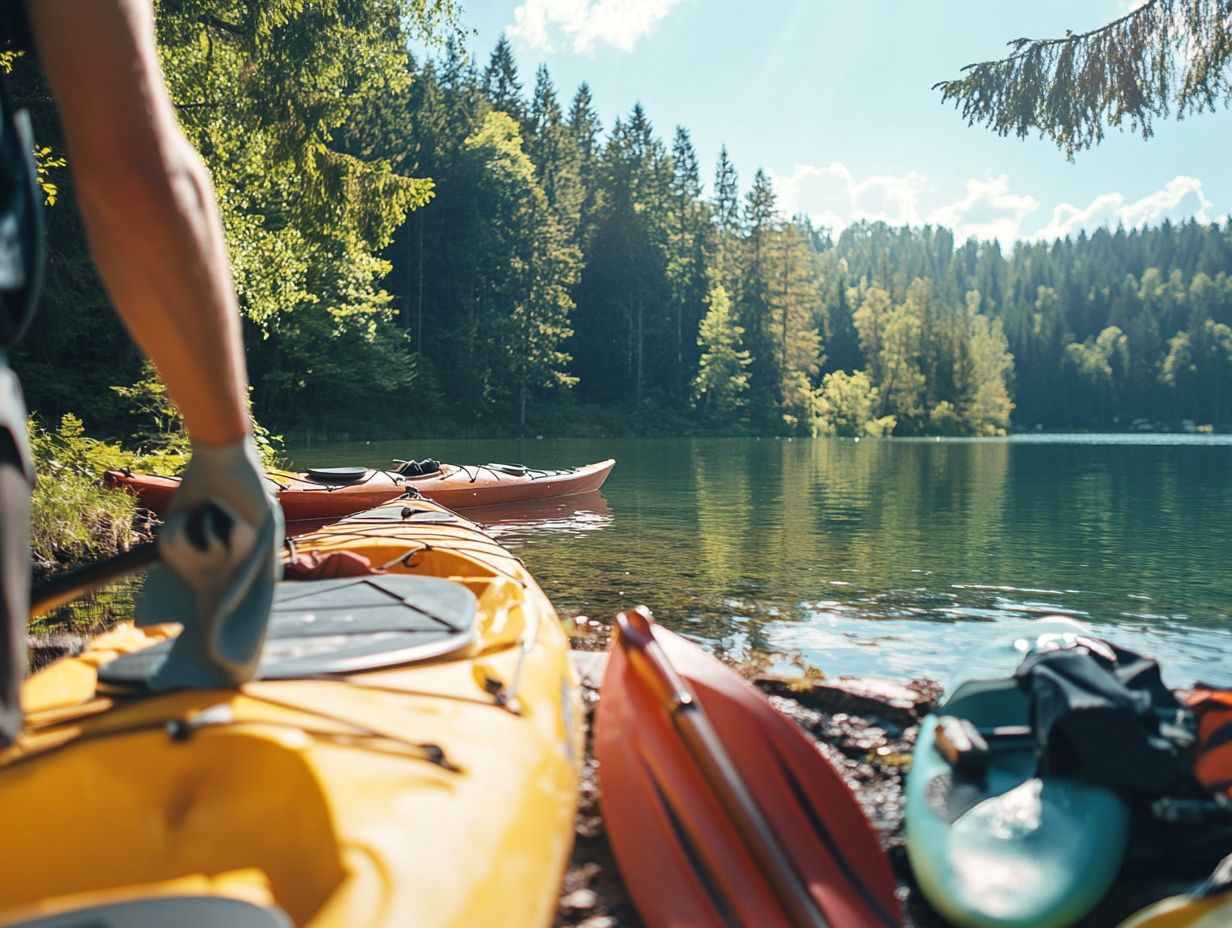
(865, 727)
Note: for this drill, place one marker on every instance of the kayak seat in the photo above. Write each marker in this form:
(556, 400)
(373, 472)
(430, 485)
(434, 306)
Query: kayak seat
(988, 702)
(177, 911)
(985, 703)
(341, 625)
(337, 474)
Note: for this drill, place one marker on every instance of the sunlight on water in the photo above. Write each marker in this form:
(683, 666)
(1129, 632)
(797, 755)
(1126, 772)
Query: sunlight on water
(891, 557)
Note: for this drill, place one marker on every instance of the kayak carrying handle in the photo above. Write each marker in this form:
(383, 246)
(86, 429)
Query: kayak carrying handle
(57, 591)
(637, 637)
(635, 634)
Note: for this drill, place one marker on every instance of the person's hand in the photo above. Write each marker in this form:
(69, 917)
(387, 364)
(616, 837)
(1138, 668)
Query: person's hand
(219, 561)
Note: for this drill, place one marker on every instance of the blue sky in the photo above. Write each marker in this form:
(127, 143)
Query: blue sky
(835, 101)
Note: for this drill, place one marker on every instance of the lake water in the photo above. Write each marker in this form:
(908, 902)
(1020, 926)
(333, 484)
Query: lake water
(887, 557)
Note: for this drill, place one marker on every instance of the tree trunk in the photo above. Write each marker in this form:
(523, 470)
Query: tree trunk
(637, 388)
(522, 402)
(419, 290)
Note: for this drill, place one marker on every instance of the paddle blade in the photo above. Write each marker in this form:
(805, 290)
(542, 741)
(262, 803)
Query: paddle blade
(678, 849)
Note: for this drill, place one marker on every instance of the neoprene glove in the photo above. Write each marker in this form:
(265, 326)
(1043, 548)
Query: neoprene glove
(219, 560)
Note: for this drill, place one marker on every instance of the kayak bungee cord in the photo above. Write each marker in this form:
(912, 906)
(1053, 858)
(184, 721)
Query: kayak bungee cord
(499, 473)
(180, 728)
(312, 485)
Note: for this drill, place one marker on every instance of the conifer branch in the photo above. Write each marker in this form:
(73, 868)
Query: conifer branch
(1165, 55)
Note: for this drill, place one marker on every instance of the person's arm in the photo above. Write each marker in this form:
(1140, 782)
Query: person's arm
(148, 206)
(150, 216)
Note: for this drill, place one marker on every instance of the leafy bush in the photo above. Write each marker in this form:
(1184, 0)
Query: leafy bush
(846, 404)
(72, 516)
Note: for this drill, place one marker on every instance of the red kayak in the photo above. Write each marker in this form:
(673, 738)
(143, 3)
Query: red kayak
(332, 492)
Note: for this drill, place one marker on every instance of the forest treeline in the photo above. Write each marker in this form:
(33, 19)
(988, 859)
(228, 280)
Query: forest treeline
(435, 243)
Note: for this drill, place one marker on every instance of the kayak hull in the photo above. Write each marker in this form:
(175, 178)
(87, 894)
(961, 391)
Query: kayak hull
(456, 486)
(1011, 850)
(428, 794)
(460, 487)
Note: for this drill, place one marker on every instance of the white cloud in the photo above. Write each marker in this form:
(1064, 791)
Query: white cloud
(989, 210)
(584, 24)
(1179, 199)
(833, 196)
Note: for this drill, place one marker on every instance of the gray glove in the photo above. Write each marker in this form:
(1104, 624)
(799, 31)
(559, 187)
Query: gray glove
(219, 561)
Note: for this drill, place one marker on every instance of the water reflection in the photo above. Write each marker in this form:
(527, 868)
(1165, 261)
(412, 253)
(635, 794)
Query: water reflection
(894, 556)
(572, 516)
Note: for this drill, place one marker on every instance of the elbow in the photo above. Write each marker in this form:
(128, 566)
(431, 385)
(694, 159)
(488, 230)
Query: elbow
(148, 191)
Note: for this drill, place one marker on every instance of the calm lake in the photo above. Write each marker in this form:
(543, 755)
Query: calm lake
(889, 557)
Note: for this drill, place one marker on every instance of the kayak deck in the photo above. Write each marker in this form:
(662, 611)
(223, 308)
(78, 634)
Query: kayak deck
(432, 793)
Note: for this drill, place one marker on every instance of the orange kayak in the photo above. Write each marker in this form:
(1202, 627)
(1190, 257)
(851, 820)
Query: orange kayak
(333, 492)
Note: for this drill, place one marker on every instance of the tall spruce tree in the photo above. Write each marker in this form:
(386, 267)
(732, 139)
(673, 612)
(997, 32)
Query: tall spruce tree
(688, 254)
(726, 206)
(585, 127)
(554, 151)
(500, 81)
(755, 306)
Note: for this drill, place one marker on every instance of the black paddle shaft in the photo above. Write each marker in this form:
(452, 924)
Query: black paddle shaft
(68, 586)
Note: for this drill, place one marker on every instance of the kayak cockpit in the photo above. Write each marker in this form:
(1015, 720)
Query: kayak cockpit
(182, 911)
(242, 817)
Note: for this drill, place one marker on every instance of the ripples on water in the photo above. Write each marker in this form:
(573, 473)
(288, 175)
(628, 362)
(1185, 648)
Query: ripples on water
(892, 557)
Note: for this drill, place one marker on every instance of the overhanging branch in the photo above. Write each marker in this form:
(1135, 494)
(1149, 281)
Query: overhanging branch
(1166, 54)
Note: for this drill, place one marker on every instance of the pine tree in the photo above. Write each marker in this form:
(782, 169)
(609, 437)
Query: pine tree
(755, 305)
(500, 81)
(688, 226)
(870, 321)
(526, 275)
(794, 320)
(584, 125)
(554, 151)
(726, 206)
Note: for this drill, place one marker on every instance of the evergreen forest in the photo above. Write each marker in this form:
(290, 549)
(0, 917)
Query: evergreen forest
(437, 243)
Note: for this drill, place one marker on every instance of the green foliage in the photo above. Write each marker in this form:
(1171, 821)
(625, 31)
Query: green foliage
(1102, 365)
(986, 403)
(721, 377)
(1198, 369)
(162, 442)
(1163, 54)
(72, 517)
(847, 404)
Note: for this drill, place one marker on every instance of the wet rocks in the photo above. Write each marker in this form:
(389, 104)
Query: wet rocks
(892, 702)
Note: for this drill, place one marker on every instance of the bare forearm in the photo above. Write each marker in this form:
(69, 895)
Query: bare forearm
(148, 206)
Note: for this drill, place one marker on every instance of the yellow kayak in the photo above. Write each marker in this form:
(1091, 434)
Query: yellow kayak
(1208, 906)
(408, 756)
